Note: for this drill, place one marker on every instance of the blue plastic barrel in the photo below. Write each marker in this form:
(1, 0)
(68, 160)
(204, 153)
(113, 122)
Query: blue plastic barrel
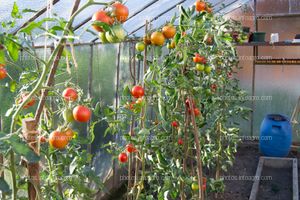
(275, 135)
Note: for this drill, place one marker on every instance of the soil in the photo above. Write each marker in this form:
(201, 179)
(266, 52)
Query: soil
(239, 178)
(244, 168)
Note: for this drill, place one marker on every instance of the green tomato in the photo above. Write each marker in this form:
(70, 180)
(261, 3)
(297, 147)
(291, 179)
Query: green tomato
(68, 115)
(195, 186)
(140, 46)
(200, 67)
(207, 70)
(103, 37)
(208, 92)
(117, 35)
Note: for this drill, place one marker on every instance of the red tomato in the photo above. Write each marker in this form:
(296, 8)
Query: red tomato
(70, 94)
(3, 73)
(43, 139)
(82, 113)
(120, 12)
(200, 5)
(229, 74)
(197, 112)
(58, 140)
(130, 148)
(123, 157)
(180, 141)
(137, 91)
(101, 16)
(175, 124)
(213, 87)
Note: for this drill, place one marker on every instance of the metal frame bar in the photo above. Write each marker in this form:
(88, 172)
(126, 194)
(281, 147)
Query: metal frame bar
(34, 17)
(158, 16)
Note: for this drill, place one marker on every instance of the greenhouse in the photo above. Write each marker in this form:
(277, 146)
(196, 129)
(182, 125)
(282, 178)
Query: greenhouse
(149, 100)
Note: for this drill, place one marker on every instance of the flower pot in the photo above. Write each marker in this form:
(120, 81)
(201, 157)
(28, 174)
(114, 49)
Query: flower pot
(259, 36)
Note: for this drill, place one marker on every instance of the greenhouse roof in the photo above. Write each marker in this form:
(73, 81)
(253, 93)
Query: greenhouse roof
(156, 11)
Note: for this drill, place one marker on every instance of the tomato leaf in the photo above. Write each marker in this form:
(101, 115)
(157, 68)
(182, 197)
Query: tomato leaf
(13, 49)
(15, 13)
(34, 25)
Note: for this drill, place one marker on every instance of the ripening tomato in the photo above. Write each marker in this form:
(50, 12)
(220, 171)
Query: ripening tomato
(200, 5)
(147, 39)
(23, 97)
(58, 140)
(157, 38)
(229, 74)
(101, 16)
(171, 45)
(130, 148)
(180, 141)
(70, 94)
(175, 124)
(139, 101)
(123, 157)
(169, 31)
(120, 11)
(82, 113)
(137, 91)
(209, 9)
(69, 133)
(3, 73)
(43, 139)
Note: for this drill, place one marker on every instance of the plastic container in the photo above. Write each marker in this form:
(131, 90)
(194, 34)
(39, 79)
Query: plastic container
(275, 136)
(259, 36)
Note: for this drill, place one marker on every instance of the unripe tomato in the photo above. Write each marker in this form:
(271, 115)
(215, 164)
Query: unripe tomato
(175, 124)
(3, 73)
(137, 91)
(120, 11)
(195, 186)
(157, 38)
(171, 45)
(180, 141)
(200, 5)
(169, 31)
(140, 46)
(207, 69)
(82, 113)
(58, 140)
(101, 16)
(200, 67)
(70, 94)
(130, 148)
(123, 158)
(68, 115)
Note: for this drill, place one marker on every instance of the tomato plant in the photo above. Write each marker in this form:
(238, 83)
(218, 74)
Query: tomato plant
(186, 86)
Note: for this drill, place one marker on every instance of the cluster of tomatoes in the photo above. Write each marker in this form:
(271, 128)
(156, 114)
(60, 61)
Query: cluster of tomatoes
(123, 157)
(158, 38)
(113, 16)
(60, 138)
(201, 6)
(138, 93)
(201, 64)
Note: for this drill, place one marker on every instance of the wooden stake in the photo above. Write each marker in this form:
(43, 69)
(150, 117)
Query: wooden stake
(30, 134)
